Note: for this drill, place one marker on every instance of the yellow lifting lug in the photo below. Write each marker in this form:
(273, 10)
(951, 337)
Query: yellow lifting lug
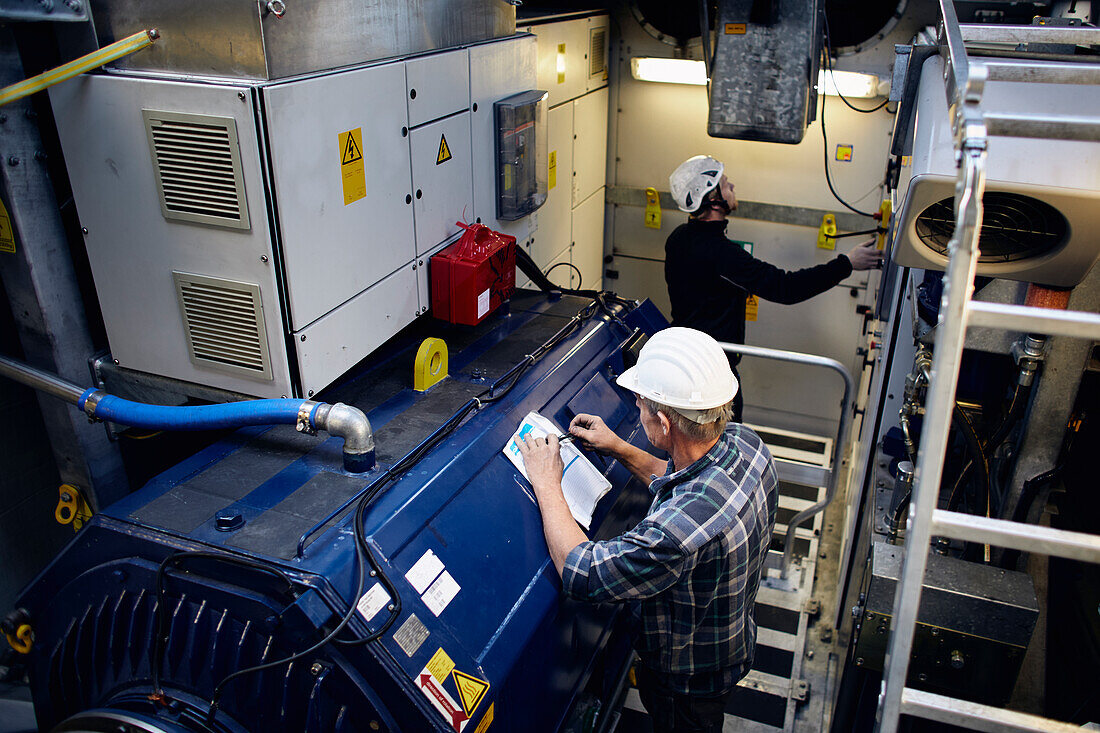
(885, 211)
(652, 208)
(22, 640)
(431, 364)
(827, 232)
(71, 507)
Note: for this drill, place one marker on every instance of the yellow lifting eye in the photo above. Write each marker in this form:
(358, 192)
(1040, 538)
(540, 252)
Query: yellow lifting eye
(22, 639)
(431, 364)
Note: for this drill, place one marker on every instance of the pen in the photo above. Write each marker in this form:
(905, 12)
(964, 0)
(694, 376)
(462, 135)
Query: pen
(566, 436)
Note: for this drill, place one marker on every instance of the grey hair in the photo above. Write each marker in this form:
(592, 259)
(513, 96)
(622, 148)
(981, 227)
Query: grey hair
(712, 425)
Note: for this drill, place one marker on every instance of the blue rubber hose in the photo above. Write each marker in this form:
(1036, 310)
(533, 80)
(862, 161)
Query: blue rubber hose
(202, 417)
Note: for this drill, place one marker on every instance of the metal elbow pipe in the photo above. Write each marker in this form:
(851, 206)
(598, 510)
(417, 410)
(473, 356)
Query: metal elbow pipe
(351, 424)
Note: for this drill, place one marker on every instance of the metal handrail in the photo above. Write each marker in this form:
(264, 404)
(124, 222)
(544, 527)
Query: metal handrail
(841, 432)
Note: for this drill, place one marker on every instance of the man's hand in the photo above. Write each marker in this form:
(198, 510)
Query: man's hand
(595, 435)
(865, 256)
(542, 459)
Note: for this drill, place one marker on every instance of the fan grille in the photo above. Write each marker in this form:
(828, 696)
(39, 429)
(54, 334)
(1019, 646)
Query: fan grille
(1014, 227)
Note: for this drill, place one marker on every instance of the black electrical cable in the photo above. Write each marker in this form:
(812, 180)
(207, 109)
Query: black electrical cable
(580, 278)
(828, 178)
(829, 67)
(876, 230)
(1015, 410)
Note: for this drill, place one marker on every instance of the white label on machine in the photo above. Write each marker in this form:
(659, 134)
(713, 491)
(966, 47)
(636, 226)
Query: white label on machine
(426, 570)
(442, 592)
(483, 303)
(373, 601)
(442, 700)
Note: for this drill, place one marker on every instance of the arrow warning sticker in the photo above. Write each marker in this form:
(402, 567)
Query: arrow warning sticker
(442, 700)
(470, 690)
(444, 151)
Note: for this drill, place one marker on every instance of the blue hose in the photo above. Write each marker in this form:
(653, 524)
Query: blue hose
(203, 417)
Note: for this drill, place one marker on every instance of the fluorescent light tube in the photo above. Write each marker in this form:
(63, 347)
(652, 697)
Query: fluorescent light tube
(671, 71)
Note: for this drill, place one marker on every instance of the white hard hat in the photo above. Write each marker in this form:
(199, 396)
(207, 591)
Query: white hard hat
(684, 369)
(693, 180)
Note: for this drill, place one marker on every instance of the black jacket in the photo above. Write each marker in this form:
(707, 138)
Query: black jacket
(709, 277)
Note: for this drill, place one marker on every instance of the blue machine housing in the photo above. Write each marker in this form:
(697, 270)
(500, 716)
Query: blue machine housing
(507, 653)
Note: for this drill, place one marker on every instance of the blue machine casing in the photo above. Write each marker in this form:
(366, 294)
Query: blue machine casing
(508, 650)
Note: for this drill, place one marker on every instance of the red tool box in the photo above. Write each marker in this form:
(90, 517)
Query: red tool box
(472, 277)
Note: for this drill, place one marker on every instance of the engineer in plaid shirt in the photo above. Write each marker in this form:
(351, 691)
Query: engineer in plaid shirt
(693, 564)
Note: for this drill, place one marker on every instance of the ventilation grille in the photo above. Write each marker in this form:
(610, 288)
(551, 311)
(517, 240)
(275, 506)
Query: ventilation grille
(597, 52)
(224, 324)
(198, 168)
(1014, 227)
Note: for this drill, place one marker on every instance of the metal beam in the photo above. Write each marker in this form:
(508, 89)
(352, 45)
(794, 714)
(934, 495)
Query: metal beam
(40, 280)
(1026, 537)
(1048, 73)
(1047, 127)
(1017, 34)
(1033, 320)
(974, 716)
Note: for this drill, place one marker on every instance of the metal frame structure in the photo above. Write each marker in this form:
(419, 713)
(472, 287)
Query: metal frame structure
(965, 82)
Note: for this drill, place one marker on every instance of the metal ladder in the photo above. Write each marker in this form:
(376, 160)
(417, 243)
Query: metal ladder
(965, 81)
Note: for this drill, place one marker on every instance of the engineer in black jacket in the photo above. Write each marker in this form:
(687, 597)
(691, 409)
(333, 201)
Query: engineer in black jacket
(709, 277)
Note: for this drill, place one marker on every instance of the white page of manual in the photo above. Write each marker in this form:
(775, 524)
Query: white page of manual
(582, 483)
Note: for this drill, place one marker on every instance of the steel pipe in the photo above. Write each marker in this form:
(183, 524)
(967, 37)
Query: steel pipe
(1018, 536)
(42, 381)
(838, 445)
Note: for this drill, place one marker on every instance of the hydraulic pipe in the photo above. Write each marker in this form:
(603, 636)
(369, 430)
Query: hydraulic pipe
(340, 420)
(841, 433)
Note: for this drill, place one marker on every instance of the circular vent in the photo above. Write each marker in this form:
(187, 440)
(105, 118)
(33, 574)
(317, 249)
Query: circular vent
(1014, 227)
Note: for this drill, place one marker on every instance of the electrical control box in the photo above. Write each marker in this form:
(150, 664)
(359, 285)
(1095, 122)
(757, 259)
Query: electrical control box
(521, 154)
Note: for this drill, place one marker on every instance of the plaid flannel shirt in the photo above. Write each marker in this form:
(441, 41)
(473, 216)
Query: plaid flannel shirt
(693, 564)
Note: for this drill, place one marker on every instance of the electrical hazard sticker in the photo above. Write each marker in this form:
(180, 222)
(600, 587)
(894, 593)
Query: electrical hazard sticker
(352, 173)
(752, 307)
(470, 690)
(7, 234)
(444, 150)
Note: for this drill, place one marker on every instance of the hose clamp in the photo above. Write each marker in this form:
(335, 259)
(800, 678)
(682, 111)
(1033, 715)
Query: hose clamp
(303, 424)
(92, 402)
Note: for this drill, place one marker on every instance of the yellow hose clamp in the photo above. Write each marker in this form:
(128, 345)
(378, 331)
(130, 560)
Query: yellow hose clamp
(22, 640)
(431, 364)
(71, 507)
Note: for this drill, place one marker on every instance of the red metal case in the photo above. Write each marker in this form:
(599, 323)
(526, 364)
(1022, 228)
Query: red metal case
(472, 277)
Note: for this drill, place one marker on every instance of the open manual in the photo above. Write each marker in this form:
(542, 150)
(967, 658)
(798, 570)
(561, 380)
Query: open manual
(582, 483)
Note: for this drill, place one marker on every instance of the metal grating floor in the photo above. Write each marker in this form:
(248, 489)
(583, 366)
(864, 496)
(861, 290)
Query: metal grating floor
(767, 699)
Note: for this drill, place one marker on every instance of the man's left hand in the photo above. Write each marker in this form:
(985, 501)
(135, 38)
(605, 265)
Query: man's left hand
(542, 459)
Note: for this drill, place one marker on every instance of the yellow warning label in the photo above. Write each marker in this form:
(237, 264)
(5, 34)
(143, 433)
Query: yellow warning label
(486, 720)
(470, 690)
(444, 151)
(7, 234)
(752, 306)
(552, 173)
(352, 174)
(736, 29)
(844, 153)
(440, 665)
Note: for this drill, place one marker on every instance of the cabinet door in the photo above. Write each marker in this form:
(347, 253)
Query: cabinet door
(554, 220)
(590, 145)
(442, 179)
(343, 220)
(588, 241)
(437, 85)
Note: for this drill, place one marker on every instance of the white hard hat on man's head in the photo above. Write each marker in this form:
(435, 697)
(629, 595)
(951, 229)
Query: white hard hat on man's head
(684, 369)
(693, 180)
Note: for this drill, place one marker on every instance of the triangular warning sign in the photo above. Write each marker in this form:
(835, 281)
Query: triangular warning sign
(470, 690)
(351, 151)
(444, 151)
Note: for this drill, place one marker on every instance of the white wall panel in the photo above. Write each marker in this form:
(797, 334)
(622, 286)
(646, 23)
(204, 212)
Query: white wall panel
(589, 144)
(442, 192)
(437, 85)
(554, 220)
(588, 239)
(564, 74)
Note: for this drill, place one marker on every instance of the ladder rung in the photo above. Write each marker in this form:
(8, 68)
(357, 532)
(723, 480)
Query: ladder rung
(1033, 320)
(975, 716)
(1047, 127)
(1047, 73)
(983, 33)
(1026, 537)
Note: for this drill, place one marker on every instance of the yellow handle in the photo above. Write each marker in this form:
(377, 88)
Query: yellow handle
(90, 61)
